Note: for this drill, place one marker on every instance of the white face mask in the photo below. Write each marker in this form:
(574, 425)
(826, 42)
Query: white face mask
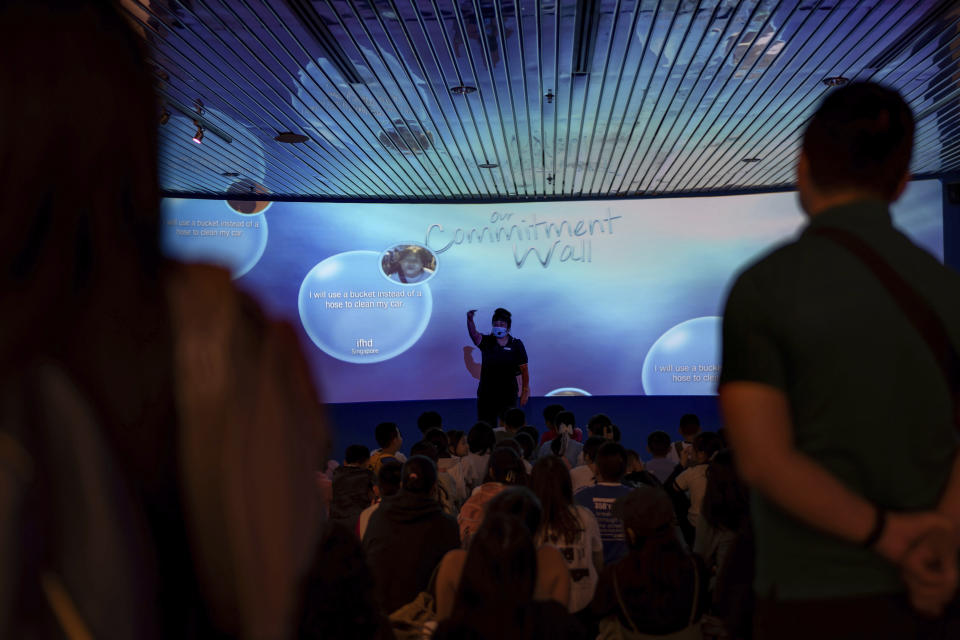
(500, 332)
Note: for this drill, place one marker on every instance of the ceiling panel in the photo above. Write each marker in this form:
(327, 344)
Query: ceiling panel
(450, 100)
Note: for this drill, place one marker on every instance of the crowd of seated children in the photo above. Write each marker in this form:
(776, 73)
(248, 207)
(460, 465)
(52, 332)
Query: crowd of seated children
(564, 443)
(471, 471)
(585, 474)
(511, 422)
(505, 468)
(550, 424)
(611, 464)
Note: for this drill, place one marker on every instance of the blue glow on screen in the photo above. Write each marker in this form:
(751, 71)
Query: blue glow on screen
(609, 297)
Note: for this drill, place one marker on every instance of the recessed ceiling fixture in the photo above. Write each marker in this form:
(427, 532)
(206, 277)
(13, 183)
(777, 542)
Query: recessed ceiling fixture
(462, 90)
(835, 81)
(290, 137)
(749, 160)
(488, 165)
(230, 174)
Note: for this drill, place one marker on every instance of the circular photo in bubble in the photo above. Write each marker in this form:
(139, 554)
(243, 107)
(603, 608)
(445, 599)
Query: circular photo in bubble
(408, 263)
(567, 391)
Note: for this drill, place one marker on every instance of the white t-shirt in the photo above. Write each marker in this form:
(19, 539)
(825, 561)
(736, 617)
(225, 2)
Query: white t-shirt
(694, 481)
(468, 474)
(579, 557)
(581, 477)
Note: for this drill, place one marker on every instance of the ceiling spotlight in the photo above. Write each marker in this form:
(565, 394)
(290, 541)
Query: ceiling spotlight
(488, 165)
(462, 90)
(750, 160)
(198, 136)
(230, 174)
(835, 81)
(164, 116)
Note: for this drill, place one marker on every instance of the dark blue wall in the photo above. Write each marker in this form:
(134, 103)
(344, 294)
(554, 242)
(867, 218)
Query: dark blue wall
(637, 416)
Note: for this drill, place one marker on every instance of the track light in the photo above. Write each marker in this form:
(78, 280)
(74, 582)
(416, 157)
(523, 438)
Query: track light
(198, 136)
(164, 116)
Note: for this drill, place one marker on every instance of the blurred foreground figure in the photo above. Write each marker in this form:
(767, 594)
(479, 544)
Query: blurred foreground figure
(158, 434)
(836, 393)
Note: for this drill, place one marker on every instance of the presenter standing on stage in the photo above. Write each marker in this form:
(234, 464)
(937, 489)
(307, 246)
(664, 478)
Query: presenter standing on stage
(503, 359)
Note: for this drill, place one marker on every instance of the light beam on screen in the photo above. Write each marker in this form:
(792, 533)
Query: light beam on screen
(598, 318)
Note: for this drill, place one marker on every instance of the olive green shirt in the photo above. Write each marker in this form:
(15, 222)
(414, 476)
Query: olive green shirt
(868, 401)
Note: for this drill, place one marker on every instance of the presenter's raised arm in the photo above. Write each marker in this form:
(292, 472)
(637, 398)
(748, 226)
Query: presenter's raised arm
(472, 328)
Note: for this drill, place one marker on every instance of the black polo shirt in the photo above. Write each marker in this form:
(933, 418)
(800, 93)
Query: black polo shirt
(867, 399)
(500, 364)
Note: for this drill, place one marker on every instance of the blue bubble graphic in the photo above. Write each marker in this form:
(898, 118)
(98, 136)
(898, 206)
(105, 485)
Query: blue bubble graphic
(211, 232)
(567, 391)
(355, 326)
(685, 360)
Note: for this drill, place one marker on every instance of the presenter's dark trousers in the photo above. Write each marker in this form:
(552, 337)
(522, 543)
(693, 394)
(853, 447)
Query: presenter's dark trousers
(873, 617)
(491, 405)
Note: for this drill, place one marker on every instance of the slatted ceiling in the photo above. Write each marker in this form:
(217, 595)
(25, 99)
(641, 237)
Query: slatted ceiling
(596, 98)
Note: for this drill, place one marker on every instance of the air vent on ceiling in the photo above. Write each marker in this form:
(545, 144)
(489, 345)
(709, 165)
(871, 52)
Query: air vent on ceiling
(290, 137)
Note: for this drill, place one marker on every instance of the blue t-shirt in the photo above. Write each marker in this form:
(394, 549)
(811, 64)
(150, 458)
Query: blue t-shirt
(599, 498)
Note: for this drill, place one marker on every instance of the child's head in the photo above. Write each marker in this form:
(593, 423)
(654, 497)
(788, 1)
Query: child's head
(388, 436)
(658, 444)
(356, 455)
(633, 462)
(705, 445)
(591, 447)
(689, 426)
(514, 418)
(565, 422)
(457, 443)
(600, 425)
(427, 449)
(526, 443)
(480, 440)
(505, 466)
(611, 462)
(429, 420)
(439, 439)
(389, 477)
(550, 415)
(419, 475)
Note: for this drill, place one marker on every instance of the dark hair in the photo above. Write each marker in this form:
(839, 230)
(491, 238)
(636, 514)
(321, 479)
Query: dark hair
(514, 418)
(565, 417)
(526, 443)
(550, 482)
(497, 582)
(439, 440)
(559, 444)
(510, 443)
(725, 502)
(860, 137)
(689, 424)
(659, 443)
(632, 455)
(385, 432)
(611, 462)
(481, 439)
(519, 502)
(532, 432)
(591, 446)
(550, 413)
(419, 475)
(356, 453)
(454, 436)
(598, 423)
(390, 477)
(425, 448)
(429, 420)
(707, 442)
(501, 314)
(505, 466)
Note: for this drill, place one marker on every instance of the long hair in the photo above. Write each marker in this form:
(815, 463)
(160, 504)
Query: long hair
(497, 581)
(550, 482)
(725, 501)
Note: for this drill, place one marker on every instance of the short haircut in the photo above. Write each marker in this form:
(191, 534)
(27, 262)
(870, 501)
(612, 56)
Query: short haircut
(520, 502)
(591, 446)
(550, 413)
(481, 438)
(510, 443)
(689, 424)
(355, 454)
(532, 432)
(526, 443)
(708, 442)
(429, 420)
(659, 443)
(425, 448)
(389, 477)
(632, 455)
(454, 436)
(502, 314)
(611, 462)
(419, 475)
(565, 417)
(439, 440)
(860, 137)
(514, 418)
(385, 433)
(597, 423)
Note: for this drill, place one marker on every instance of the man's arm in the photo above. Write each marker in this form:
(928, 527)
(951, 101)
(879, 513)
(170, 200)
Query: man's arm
(525, 384)
(760, 429)
(472, 328)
